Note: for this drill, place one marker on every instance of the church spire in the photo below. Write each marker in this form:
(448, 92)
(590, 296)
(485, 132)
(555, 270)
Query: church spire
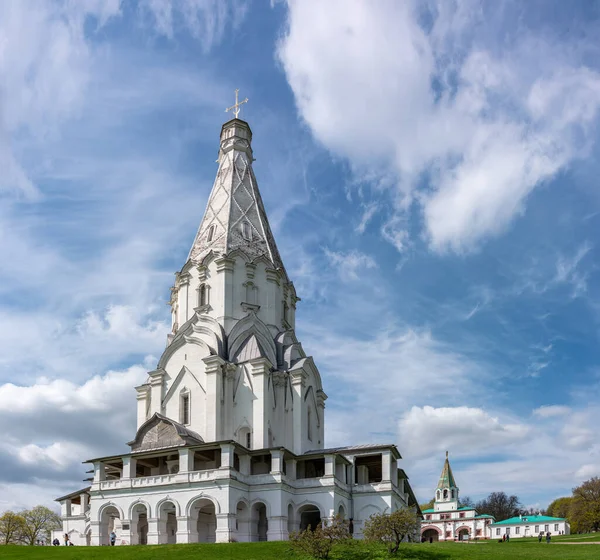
(446, 478)
(235, 217)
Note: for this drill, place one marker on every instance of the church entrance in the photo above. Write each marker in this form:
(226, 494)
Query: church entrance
(310, 516)
(463, 534)
(109, 522)
(167, 523)
(259, 523)
(203, 521)
(139, 524)
(430, 535)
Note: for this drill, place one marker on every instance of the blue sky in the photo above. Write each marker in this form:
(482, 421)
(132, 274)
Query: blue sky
(429, 170)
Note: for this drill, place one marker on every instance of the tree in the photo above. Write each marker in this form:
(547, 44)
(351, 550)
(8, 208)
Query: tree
(466, 502)
(393, 528)
(318, 542)
(499, 505)
(39, 521)
(561, 507)
(587, 504)
(11, 527)
(427, 505)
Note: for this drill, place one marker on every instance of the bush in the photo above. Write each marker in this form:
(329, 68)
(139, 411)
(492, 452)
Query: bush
(392, 528)
(318, 542)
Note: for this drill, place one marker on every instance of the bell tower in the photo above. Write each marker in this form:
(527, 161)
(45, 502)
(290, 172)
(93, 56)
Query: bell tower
(446, 494)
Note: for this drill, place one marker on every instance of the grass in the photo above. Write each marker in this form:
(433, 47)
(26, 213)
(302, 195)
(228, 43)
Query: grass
(525, 549)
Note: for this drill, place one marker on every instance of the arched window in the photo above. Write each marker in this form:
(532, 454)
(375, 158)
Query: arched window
(452, 494)
(202, 295)
(184, 407)
(246, 231)
(445, 494)
(439, 494)
(211, 233)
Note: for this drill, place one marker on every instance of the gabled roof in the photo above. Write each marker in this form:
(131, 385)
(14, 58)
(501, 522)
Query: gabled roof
(529, 520)
(235, 217)
(446, 478)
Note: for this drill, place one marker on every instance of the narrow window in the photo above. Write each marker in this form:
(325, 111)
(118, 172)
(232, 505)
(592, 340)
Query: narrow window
(546, 528)
(452, 493)
(556, 526)
(285, 312)
(185, 409)
(445, 494)
(211, 233)
(309, 424)
(248, 440)
(246, 231)
(202, 295)
(517, 530)
(537, 528)
(497, 531)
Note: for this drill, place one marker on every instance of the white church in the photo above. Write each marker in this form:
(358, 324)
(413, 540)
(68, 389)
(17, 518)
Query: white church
(447, 520)
(231, 423)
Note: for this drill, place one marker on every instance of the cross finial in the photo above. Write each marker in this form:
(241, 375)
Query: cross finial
(236, 108)
(446, 454)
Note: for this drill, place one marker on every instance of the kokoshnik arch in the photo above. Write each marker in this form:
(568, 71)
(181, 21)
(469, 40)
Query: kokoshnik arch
(230, 424)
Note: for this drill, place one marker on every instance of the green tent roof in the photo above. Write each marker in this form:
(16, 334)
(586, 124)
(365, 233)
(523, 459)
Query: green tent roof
(529, 520)
(446, 478)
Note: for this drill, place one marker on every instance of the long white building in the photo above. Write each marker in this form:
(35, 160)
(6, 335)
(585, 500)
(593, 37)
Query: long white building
(231, 423)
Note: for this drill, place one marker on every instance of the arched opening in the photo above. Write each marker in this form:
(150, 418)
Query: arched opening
(310, 517)
(259, 522)
(342, 511)
(203, 521)
(167, 523)
(463, 534)
(202, 295)
(445, 494)
(430, 535)
(109, 521)
(139, 524)
(242, 522)
(290, 519)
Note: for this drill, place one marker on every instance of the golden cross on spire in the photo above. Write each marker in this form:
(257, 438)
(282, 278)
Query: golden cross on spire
(236, 108)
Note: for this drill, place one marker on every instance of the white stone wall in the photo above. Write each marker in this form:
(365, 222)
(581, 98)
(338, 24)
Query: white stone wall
(529, 529)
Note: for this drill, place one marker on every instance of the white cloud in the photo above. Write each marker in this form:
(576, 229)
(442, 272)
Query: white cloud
(484, 124)
(423, 431)
(350, 264)
(206, 20)
(551, 411)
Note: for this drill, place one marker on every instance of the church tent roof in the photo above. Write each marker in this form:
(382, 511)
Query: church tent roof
(446, 478)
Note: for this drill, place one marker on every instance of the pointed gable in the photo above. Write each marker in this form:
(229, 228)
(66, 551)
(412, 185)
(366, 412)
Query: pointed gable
(235, 217)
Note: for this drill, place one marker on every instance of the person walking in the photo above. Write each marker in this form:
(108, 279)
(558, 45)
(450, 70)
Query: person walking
(507, 537)
(113, 538)
(66, 539)
(540, 536)
(548, 537)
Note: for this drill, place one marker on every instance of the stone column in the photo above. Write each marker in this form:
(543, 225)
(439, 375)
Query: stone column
(152, 530)
(330, 466)
(186, 460)
(99, 472)
(225, 527)
(156, 390)
(299, 416)
(85, 502)
(183, 530)
(65, 508)
(277, 461)
(245, 464)
(259, 369)
(278, 530)
(386, 466)
(227, 451)
(129, 467)
(95, 527)
(214, 397)
(290, 467)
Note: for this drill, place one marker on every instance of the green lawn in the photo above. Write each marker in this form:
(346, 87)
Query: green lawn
(528, 549)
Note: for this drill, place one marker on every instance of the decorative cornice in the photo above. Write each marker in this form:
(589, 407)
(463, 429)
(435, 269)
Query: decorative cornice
(202, 272)
(224, 264)
(250, 270)
(247, 307)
